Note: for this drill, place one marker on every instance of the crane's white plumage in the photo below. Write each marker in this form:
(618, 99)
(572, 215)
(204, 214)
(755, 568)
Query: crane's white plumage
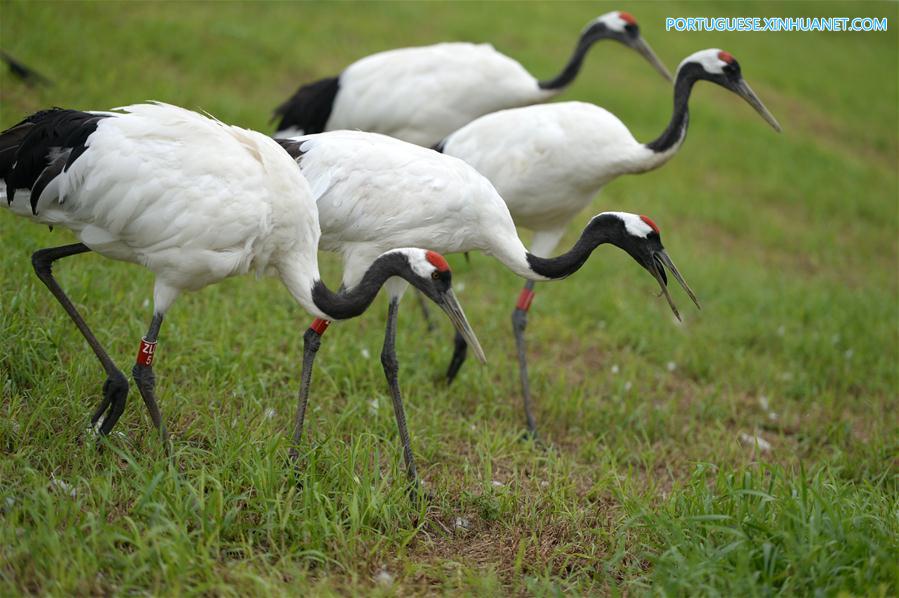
(375, 192)
(422, 94)
(548, 161)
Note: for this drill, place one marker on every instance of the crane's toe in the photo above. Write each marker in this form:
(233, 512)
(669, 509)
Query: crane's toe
(115, 395)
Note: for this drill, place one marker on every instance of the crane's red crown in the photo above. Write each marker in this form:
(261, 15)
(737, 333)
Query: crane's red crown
(651, 224)
(437, 260)
(627, 18)
(725, 57)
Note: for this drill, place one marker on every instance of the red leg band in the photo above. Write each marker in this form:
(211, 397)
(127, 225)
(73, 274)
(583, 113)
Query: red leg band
(146, 352)
(524, 299)
(320, 325)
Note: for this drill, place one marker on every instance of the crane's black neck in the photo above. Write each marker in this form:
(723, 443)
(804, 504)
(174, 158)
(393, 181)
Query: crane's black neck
(350, 303)
(676, 131)
(601, 229)
(573, 67)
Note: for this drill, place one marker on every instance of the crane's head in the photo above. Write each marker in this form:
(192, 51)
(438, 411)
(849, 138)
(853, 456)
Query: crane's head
(640, 238)
(722, 68)
(622, 27)
(430, 273)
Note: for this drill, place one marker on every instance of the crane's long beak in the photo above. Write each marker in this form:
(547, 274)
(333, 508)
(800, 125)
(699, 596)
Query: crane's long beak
(646, 52)
(744, 91)
(449, 304)
(662, 261)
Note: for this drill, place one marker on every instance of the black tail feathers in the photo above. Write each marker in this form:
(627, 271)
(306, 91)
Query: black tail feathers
(43, 145)
(310, 107)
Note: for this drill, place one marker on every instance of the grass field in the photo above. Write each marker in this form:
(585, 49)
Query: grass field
(651, 480)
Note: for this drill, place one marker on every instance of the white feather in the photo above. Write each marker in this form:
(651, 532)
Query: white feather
(422, 94)
(384, 193)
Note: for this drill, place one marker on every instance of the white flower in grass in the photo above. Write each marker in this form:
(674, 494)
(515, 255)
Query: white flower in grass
(384, 577)
(753, 441)
(62, 486)
(544, 484)
(671, 366)
(462, 523)
(459, 286)
(373, 406)
(146, 303)
(628, 385)
(848, 354)
(497, 484)
(365, 353)
(781, 330)
(615, 368)
(763, 402)
(270, 413)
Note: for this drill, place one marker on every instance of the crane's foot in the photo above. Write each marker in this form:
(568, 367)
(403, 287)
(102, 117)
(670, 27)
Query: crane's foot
(295, 465)
(418, 493)
(115, 396)
(531, 435)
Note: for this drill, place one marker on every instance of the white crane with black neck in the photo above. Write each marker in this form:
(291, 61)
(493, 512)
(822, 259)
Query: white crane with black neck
(548, 162)
(375, 192)
(195, 201)
(422, 94)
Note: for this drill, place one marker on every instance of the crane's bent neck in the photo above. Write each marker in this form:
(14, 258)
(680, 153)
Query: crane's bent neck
(593, 235)
(572, 68)
(352, 302)
(673, 136)
(512, 253)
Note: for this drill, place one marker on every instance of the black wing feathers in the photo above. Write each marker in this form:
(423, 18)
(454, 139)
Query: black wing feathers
(310, 107)
(41, 147)
(51, 172)
(291, 147)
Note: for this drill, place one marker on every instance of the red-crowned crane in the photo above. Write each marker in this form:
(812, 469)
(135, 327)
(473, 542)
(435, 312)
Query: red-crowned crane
(548, 162)
(195, 201)
(374, 191)
(422, 94)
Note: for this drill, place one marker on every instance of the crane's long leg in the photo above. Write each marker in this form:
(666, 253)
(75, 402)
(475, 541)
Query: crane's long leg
(144, 376)
(115, 388)
(312, 340)
(460, 351)
(391, 371)
(429, 321)
(519, 323)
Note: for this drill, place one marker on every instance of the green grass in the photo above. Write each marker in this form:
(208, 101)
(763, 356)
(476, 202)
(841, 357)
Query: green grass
(651, 482)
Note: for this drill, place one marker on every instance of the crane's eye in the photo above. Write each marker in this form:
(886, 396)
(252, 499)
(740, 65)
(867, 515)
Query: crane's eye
(435, 275)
